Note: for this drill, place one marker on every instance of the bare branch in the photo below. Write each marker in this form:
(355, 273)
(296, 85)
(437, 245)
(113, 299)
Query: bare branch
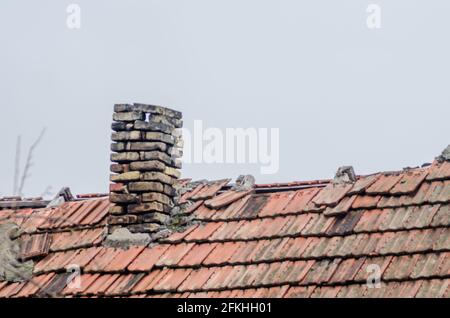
(26, 171)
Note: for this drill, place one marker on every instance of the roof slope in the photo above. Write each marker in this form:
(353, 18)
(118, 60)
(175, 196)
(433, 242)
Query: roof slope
(315, 239)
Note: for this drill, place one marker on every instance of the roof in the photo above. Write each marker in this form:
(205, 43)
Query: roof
(302, 239)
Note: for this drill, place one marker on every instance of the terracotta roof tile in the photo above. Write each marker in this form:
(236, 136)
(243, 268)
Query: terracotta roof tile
(300, 199)
(332, 194)
(343, 206)
(384, 184)
(366, 202)
(221, 253)
(270, 242)
(225, 199)
(362, 184)
(439, 171)
(208, 191)
(123, 259)
(276, 203)
(300, 292)
(174, 254)
(148, 258)
(203, 232)
(410, 182)
(197, 254)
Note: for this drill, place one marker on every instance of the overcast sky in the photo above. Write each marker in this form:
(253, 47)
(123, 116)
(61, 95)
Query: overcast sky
(341, 93)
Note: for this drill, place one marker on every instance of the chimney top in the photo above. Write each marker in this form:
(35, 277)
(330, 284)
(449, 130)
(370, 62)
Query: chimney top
(146, 149)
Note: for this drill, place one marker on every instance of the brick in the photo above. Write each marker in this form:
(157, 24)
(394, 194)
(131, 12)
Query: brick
(126, 176)
(170, 191)
(123, 198)
(172, 172)
(126, 135)
(175, 152)
(121, 126)
(153, 109)
(158, 197)
(118, 108)
(152, 126)
(156, 217)
(116, 210)
(142, 186)
(156, 155)
(152, 165)
(122, 219)
(179, 142)
(125, 156)
(129, 116)
(118, 146)
(161, 137)
(147, 146)
(117, 187)
(157, 176)
(146, 207)
(119, 168)
(176, 123)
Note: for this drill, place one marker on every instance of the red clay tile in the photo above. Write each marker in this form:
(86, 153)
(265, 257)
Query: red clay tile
(401, 267)
(218, 277)
(85, 281)
(332, 194)
(97, 214)
(197, 278)
(123, 259)
(227, 230)
(326, 292)
(367, 269)
(296, 224)
(124, 284)
(102, 259)
(299, 245)
(384, 184)
(300, 270)
(203, 232)
(362, 184)
(347, 270)
(276, 203)
(35, 245)
(225, 199)
(101, 284)
(174, 254)
(148, 281)
(208, 191)
(197, 254)
(442, 216)
(221, 253)
(172, 280)
(435, 288)
(365, 202)
(234, 211)
(410, 182)
(342, 208)
(148, 258)
(300, 292)
(300, 199)
(439, 171)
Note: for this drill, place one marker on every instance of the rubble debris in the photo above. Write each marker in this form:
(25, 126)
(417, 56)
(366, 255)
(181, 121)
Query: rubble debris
(345, 174)
(12, 269)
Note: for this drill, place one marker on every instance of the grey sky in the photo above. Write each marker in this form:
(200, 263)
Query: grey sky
(340, 93)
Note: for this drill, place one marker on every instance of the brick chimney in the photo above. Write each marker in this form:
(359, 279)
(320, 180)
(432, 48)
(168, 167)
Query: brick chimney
(146, 149)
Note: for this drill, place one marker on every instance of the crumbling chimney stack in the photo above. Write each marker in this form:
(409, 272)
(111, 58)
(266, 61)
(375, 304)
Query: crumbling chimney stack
(146, 150)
